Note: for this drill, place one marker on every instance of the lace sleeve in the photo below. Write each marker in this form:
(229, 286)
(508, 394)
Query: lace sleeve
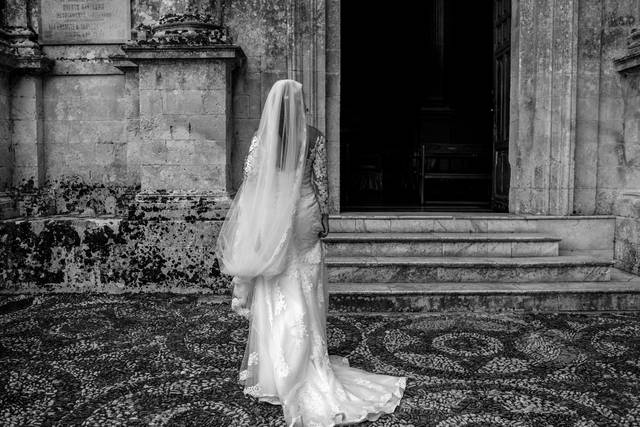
(320, 179)
(250, 161)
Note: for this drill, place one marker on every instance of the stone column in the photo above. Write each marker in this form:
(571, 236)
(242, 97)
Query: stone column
(543, 106)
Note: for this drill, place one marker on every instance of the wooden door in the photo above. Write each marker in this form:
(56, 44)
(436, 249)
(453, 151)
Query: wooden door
(501, 75)
(455, 124)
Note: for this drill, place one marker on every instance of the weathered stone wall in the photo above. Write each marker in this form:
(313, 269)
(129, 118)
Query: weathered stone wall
(184, 125)
(85, 121)
(261, 30)
(27, 129)
(610, 112)
(6, 156)
(74, 136)
(606, 153)
(78, 175)
(573, 115)
(88, 108)
(575, 122)
(142, 251)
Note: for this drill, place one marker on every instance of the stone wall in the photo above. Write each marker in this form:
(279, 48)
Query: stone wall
(575, 123)
(572, 125)
(74, 140)
(607, 155)
(79, 168)
(6, 156)
(144, 250)
(85, 123)
(96, 141)
(260, 28)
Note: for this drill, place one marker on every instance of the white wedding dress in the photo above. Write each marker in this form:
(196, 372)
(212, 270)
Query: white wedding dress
(286, 360)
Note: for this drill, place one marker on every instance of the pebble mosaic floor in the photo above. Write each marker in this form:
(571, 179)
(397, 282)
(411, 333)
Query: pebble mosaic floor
(172, 360)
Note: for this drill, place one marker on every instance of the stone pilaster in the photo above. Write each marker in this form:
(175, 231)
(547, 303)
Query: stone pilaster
(543, 106)
(627, 205)
(306, 56)
(21, 120)
(27, 130)
(185, 124)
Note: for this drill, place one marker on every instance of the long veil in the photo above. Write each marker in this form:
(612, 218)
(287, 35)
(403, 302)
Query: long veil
(256, 233)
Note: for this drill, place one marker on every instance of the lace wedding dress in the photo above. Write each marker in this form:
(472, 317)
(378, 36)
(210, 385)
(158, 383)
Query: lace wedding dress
(286, 360)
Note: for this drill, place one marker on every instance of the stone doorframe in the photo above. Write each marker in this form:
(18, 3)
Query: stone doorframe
(543, 95)
(313, 59)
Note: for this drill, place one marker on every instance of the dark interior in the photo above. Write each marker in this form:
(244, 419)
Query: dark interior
(416, 105)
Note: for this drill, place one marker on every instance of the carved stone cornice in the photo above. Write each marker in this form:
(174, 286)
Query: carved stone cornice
(631, 61)
(20, 52)
(180, 36)
(133, 54)
(183, 29)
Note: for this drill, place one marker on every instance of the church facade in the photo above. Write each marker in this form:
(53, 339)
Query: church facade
(120, 151)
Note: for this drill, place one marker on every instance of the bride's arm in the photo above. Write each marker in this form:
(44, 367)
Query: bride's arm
(321, 180)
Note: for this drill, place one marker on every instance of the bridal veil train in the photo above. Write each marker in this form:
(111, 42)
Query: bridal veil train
(270, 243)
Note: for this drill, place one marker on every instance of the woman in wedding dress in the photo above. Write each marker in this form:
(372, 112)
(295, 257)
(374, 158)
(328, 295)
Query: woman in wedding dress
(270, 243)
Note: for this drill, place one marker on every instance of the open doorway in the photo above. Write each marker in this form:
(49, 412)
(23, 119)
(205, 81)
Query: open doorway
(419, 94)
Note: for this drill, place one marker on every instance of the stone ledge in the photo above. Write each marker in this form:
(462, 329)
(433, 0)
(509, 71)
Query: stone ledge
(151, 53)
(439, 237)
(630, 62)
(463, 262)
(461, 216)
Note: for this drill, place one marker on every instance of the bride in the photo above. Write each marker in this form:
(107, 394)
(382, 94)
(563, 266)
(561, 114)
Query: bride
(270, 243)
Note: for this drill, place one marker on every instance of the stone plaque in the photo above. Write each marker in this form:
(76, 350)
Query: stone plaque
(85, 21)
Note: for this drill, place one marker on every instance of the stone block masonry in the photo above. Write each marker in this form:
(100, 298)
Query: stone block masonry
(185, 121)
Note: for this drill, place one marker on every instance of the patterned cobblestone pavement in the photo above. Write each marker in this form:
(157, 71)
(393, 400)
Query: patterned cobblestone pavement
(172, 360)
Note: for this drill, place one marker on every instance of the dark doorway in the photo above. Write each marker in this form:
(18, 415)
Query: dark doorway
(417, 105)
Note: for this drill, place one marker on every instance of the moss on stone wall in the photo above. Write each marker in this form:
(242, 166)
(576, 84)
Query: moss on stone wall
(71, 195)
(79, 236)
(93, 254)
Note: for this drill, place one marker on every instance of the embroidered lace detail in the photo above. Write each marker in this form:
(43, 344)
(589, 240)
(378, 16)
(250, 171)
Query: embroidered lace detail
(253, 359)
(320, 178)
(282, 368)
(243, 375)
(298, 328)
(319, 352)
(340, 393)
(402, 382)
(312, 401)
(236, 306)
(313, 255)
(320, 292)
(363, 382)
(254, 390)
(281, 304)
(249, 164)
(307, 285)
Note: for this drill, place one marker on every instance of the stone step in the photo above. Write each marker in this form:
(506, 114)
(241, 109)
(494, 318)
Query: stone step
(464, 223)
(466, 269)
(616, 295)
(441, 244)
